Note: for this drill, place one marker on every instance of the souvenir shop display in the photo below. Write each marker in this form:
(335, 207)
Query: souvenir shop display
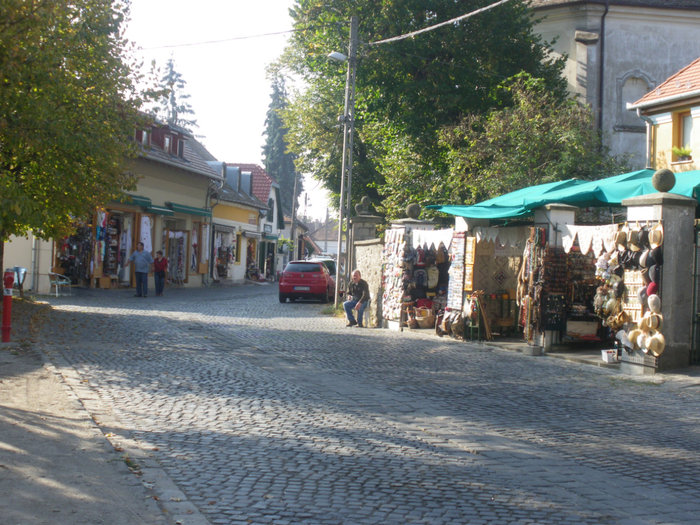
(414, 279)
(74, 255)
(176, 253)
(629, 297)
(531, 283)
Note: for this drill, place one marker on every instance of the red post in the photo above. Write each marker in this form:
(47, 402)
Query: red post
(8, 280)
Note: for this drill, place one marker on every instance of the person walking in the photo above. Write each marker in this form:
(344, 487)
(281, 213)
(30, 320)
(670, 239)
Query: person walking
(142, 264)
(160, 266)
(358, 299)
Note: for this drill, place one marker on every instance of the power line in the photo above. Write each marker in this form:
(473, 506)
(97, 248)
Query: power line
(430, 28)
(208, 42)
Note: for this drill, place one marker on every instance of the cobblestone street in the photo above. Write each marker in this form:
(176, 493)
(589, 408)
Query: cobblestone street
(239, 409)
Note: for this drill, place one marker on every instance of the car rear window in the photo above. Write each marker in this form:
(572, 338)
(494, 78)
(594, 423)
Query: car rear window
(303, 267)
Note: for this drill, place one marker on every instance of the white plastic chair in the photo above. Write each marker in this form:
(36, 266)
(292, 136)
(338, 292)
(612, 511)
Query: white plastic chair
(59, 281)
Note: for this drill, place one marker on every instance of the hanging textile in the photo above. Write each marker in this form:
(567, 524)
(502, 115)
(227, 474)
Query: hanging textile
(596, 238)
(195, 245)
(204, 252)
(430, 237)
(145, 237)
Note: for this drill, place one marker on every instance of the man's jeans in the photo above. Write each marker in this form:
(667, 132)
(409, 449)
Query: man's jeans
(349, 309)
(141, 283)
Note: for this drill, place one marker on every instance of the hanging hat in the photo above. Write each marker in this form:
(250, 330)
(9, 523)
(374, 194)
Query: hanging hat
(642, 342)
(652, 288)
(656, 235)
(619, 289)
(656, 344)
(657, 255)
(621, 239)
(651, 322)
(643, 259)
(654, 302)
(642, 294)
(644, 238)
(633, 336)
(645, 276)
(634, 241)
(655, 273)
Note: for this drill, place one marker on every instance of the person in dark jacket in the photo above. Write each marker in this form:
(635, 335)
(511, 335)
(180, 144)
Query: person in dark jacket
(358, 299)
(160, 267)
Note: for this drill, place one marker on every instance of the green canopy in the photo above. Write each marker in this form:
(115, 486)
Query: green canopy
(610, 191)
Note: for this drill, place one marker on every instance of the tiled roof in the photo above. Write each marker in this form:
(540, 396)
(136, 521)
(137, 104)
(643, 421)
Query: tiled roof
(683, 83)
(193, 159)
(262, 182)
(666, 4)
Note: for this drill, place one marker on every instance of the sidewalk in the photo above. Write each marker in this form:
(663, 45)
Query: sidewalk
(56, 467)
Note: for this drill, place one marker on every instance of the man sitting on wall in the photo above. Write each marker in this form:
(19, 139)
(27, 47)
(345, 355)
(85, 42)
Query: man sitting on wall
(358, 299)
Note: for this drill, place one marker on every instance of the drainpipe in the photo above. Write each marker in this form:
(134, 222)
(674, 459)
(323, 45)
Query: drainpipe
(650, 128)
(601, 70)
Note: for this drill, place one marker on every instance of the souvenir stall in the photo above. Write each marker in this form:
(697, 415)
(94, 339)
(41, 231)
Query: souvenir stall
(175, 244)
(415, 266)
(224, 251)
(628, 299)
(74, 255)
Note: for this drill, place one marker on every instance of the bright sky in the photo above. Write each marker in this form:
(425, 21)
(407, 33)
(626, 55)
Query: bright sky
(226, 81)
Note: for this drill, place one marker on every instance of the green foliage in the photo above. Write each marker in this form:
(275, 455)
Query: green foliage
(279, 162)
(405, 91)
(68, 111)
(538, 139)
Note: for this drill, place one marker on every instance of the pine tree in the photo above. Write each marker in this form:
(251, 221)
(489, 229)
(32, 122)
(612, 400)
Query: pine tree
(279, 163)
(174, 105)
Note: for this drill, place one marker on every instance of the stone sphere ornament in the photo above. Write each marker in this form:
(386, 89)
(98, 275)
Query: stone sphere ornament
(413, 210)
(663, 180)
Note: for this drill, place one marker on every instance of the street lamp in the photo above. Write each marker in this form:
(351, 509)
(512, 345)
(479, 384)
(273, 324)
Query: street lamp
(346, 168)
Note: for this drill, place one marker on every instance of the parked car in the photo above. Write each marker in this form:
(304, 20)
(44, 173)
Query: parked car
(328, 261)
(306, 279)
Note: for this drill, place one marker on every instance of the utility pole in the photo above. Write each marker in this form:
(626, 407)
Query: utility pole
(294, 219)
(348, 131)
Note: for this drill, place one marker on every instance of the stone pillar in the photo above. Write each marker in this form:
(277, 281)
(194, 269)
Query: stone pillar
(677, 215)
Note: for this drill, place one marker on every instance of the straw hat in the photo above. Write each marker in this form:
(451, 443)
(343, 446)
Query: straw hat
(621, 239)
(634, 241)
(656, 235)
(651, 322)
(633, 336)
(656, 344)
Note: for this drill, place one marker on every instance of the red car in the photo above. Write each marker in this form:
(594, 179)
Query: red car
(306, 279)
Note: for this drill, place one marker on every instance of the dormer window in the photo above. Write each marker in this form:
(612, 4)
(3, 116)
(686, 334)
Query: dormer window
(181, 148)
(167, 143)
(143, 137)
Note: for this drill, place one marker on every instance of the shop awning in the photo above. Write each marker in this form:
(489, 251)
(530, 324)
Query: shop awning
(160, 210)
(223, 228)
(270, 237)
(610, 191)
(136, 200)
(190, 210)
(252, 235)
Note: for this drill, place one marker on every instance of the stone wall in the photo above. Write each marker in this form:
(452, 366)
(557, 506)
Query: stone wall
(368, 259)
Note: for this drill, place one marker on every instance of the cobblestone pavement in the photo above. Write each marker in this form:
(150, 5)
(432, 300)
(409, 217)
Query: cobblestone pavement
(245, 410)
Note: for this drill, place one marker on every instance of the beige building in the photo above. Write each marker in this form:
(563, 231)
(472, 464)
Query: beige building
(168, 211)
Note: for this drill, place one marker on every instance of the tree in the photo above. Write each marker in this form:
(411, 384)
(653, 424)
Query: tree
(174, 101)
(279, 162)
(68, 111)
(537, 139)
(406, 90)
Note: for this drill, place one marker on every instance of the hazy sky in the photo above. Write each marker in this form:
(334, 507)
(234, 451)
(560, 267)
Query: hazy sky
(229, 91)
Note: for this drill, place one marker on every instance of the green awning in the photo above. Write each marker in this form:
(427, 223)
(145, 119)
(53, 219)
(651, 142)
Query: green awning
(190, 210)
(270, 237)
(136, 200)
(160, 210)
(610, 191)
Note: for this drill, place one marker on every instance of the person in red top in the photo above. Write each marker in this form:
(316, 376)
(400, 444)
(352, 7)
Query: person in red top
(160, 266)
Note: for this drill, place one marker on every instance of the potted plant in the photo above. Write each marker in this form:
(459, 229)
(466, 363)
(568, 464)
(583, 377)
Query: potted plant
(681, 153)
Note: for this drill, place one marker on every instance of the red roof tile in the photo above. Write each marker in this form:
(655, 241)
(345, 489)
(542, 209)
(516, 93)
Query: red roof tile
(684, 82)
